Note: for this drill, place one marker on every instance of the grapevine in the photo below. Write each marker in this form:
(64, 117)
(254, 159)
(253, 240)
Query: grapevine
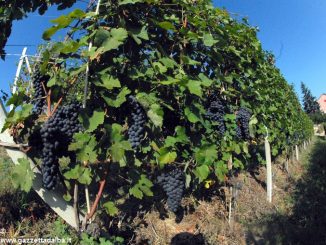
(150, 68)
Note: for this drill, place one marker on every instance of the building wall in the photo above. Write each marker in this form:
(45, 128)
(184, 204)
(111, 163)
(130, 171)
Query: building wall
(322, 102)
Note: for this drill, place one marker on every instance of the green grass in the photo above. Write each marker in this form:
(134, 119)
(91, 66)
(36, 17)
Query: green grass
(306, 223)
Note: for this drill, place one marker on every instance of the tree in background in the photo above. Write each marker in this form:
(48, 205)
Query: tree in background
(310, 104)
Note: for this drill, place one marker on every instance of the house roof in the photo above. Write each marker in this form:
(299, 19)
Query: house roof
(321, 95)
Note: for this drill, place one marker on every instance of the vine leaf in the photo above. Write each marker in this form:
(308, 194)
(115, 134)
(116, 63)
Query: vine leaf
(117, 150)
(202, 172)
(84, 145)
(118, 100)
(119, 146)
(156, 115)
(108, 81)
(209, 40)
(166, 25)
(206, 154)
(96, 120)
(220, 170)
(181, 137)
(80, 173)
(17, 99)
(159, 67)
(130, 2)
(192, 117)
(22, 175)
(15, 117)
(205, 80)
(86, 177)
(138, 34)
(142, 187)
(110, 208)
(62, 22)
(194, 87)
(166, 156)
(108, 40)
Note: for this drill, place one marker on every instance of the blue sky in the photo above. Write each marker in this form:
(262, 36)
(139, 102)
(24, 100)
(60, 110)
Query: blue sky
(295, 31)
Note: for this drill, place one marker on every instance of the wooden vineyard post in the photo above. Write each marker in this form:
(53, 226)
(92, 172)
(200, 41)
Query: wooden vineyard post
(54, 198)
(297, 152)
(292, 154)
(287, 161)
(230, 165)
(269, 182)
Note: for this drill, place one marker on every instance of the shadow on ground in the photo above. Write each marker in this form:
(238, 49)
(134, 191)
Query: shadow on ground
(307, 222)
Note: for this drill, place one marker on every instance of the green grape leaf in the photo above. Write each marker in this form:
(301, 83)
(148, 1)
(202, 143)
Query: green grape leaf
(116, 132)
(166, 25)
(221, 170)
(117, 151)
(74, 172)
(138, 34)
(22, 175)
(67, 197)
(192, 117)
(142, 187)
(130, 2)
(206, 155)
(195, 88)
(205, 80)
(108, 81)
(110, 208)
(86, 177)
(136, 192)
(166, 156)
(156, 114)
(209, 40)
(168, 62)
(84, 145)
(96, 120)
(159, 67)
(202, 172)
(118, 100)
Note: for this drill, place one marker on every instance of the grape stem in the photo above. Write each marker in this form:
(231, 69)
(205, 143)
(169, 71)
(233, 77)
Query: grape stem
(98, 197)
(49, 103)
(56, 106)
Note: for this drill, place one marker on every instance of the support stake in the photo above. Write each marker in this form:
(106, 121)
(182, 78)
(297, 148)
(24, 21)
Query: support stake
(297, 152)
(20, 64)
(230, 165)
(269, 180)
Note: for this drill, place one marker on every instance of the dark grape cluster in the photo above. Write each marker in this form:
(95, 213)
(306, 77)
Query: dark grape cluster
(38, 100)
(215, 112)
(242, 119)
(4, 95)
(56, 135)
(173, 183)
(137, 120)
